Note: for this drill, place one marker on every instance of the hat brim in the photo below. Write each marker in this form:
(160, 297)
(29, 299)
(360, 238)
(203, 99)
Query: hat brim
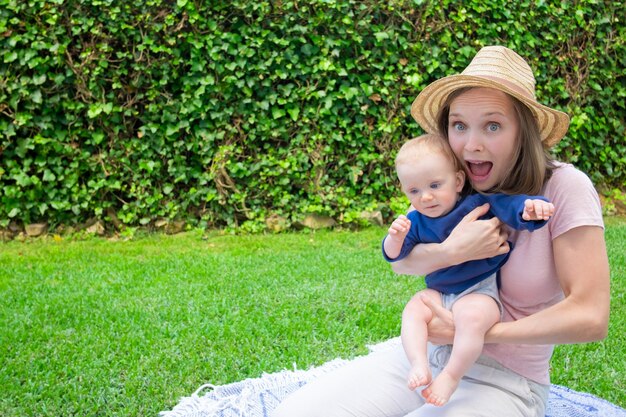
(553, 124)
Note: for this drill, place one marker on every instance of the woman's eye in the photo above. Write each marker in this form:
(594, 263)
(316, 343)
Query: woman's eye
(493, 127)
(458, 126)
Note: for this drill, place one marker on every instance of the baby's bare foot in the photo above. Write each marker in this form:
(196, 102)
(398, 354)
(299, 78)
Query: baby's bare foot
(419, 376)
(439, 392)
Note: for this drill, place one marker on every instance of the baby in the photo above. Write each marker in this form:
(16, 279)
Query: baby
(433, 180)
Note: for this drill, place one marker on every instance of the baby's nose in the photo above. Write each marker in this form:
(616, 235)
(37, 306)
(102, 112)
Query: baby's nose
(426, 196)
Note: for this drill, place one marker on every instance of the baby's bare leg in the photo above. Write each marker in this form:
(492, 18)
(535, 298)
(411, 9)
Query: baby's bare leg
(474, 314)
(414, 334)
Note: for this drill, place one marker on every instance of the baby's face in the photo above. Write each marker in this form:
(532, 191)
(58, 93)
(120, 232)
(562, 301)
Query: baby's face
(431, 184)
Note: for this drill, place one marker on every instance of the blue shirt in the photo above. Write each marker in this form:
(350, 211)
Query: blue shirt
(457, 278)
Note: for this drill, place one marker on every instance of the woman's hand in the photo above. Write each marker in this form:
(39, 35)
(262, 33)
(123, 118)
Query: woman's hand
(473, 239)
(441, 326)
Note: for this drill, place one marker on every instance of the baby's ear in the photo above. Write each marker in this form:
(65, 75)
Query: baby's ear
(460, 180)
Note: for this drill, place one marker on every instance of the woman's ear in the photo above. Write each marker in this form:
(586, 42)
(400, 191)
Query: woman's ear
(460, 180)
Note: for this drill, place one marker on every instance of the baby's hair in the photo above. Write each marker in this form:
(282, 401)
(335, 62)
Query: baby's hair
(429, 142)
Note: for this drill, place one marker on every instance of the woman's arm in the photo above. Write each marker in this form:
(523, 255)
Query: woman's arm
(471, 239)
(582, 267)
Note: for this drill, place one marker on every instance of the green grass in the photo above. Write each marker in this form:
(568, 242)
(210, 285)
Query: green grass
(115, 328)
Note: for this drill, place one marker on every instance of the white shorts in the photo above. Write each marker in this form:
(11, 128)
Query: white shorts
(488, 286)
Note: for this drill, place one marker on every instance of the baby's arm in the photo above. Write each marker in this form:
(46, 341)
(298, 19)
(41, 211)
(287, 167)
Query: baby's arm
(520, 211)
(395, 237)
(537, 210)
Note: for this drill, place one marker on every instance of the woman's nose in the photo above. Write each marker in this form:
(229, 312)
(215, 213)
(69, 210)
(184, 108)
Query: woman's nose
(474, 142)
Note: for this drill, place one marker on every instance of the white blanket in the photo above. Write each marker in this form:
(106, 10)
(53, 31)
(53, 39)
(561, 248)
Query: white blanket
(259, 396)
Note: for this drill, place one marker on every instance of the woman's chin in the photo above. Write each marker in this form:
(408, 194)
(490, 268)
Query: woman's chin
(481, 183)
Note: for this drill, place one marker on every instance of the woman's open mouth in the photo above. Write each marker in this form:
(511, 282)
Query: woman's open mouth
(479, 170)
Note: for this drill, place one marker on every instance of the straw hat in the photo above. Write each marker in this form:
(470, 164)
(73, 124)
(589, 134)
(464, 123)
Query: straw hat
(494, 67)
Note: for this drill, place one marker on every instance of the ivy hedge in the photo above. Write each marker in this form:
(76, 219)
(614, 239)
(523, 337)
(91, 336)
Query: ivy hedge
(230, 113)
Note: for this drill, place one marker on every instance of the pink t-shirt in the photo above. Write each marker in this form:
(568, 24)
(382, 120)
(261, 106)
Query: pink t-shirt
(528, 279)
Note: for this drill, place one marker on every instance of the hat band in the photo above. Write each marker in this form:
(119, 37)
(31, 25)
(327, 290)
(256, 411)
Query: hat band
(511, 86)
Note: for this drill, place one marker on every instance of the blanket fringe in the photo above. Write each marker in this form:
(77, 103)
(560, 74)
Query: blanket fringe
(242, 396)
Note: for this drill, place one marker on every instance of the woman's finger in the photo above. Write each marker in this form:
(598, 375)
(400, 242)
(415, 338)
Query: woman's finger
(476, 213)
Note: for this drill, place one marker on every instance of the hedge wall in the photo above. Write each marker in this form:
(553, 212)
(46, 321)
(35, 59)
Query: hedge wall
(227, 113)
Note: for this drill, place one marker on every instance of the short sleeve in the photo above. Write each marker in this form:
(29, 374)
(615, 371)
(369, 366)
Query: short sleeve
(576, 201)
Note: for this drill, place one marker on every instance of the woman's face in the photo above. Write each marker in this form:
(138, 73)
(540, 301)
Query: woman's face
(483, 129)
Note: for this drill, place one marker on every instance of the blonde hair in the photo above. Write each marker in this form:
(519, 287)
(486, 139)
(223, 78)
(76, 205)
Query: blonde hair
(426, 143)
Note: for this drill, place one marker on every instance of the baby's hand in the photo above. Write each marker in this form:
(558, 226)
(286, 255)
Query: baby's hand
(537, 210)
(399, 228)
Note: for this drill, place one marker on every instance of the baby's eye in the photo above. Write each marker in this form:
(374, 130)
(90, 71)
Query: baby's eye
(413, 191)
(435, 185)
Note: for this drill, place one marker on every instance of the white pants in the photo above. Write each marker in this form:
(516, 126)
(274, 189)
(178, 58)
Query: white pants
(376, 386)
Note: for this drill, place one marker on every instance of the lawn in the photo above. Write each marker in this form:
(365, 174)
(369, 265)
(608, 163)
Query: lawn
(98, 327)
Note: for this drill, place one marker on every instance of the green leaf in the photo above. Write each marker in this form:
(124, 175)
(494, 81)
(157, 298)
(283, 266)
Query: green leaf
(381, 36)
(48, 175)
(294, 112)
(277, 112)
(10, 56)
(94, 111)
(36, 97)
(98, 137)
(39, 79)
(171, 130)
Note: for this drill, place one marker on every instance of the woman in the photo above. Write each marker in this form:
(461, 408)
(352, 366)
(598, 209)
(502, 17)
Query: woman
(554, 288)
